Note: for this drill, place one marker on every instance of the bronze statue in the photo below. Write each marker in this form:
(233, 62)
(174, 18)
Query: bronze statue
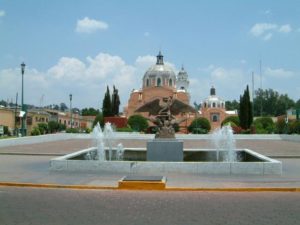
(162, 113)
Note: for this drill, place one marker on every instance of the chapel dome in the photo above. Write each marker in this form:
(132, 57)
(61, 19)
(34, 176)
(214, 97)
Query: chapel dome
(213, 101)
(159, 74)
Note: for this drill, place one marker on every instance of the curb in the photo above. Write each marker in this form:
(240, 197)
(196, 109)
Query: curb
(31, 154)
(93, 187)
(58, 186)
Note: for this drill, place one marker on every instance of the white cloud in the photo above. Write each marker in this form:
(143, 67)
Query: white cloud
(2, 13)
(267, 37)
(87, 25)
(68, 68)
(285, 28)
(145, 61)
(85, 79)
(266, 30)
(260, 28)
(146, 34)
(278, 73)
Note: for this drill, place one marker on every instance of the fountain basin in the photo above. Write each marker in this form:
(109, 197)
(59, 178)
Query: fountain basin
(196, 161)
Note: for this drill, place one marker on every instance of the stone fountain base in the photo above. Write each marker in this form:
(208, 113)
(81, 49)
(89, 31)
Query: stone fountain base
(254, 164)
(169, 150)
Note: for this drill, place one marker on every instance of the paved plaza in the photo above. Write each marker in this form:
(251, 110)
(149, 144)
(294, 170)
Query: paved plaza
(29, 163)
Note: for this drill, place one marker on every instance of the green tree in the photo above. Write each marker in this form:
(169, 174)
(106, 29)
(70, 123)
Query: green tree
(99, 118)
(264, 125)
(89, 112)
(199, 126)
(295, 127)
(281, 126)
(138, 123)
(232, 105)
(245, 112)
(4, 103)
(297, 104)
(63, 107)
(232, 119)
(106, 105)
(270, 103)
(43, 127)
(115, 100)
(56, 107)
(53, 126)
(35, 131)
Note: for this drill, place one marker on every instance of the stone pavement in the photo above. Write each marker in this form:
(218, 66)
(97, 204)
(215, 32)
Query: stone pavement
(30, 164)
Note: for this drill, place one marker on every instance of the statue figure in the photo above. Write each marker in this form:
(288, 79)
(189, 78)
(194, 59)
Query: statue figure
(162, 112)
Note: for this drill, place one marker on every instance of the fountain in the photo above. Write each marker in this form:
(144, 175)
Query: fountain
(224, 141)
(98, 142)
(165, 154)
(109, 138)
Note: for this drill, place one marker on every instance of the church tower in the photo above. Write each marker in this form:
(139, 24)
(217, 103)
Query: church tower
(182, 82)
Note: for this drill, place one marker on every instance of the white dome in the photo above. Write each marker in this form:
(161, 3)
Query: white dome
(213, 101)
(160, 70)
(159, 74)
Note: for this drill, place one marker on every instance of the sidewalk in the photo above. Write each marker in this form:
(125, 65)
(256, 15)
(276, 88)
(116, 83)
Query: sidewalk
(22, 167)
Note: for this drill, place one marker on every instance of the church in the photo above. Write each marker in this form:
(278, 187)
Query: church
(161, 81)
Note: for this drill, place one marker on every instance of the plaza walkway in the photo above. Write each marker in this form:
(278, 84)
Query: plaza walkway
(29, 163)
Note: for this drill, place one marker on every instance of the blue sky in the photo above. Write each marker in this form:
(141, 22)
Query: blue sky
(79, 47)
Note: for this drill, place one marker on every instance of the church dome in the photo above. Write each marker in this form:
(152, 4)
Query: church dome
(213, 101)
(159, 74)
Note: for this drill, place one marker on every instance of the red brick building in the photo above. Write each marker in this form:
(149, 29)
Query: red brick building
(160, 81)
(213, 109)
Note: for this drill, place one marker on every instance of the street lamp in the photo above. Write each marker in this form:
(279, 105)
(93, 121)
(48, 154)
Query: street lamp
(23, 131)
(71, 110)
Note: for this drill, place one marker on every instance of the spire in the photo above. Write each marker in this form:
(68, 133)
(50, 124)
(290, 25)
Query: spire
(182, 67)
(160, 59)
(212, 91)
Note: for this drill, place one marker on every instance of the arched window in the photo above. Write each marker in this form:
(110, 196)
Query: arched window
(205, 105)
(170, 83)
(215, 117)
(147, 83)
(182, 88)
(158, 82)
(214, 105)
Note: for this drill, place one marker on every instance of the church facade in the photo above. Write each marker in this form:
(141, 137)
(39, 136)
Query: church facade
(213, 109)
(161, 81)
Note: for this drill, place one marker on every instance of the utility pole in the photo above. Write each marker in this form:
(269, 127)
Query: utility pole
(23, 129)
(71, 110)
(261, 105)
(16, 106)
(252, 93)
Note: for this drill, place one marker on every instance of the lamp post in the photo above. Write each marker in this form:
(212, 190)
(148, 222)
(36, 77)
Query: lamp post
(71, 110)
(22, 101)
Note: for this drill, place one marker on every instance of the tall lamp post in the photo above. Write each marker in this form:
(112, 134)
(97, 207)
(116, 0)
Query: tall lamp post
(71, 110)
(23, 131)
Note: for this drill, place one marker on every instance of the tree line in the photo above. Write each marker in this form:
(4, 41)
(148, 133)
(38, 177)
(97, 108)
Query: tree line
(267, 102)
